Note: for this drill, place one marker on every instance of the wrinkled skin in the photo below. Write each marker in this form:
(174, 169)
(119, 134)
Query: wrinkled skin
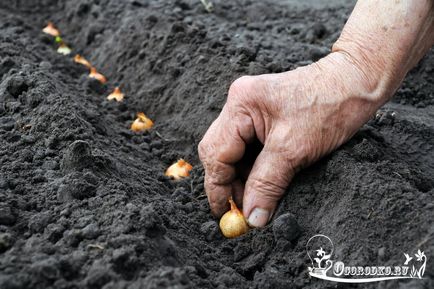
(301, 115)
(296, 115)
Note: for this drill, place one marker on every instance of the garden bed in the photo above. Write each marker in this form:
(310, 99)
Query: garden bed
(84, 202)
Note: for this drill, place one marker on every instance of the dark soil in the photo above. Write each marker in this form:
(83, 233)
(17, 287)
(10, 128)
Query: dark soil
(84, 202)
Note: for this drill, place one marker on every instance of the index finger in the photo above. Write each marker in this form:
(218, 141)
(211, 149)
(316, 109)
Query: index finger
(221, 147)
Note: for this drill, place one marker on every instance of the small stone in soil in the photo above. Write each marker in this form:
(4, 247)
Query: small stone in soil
(91, 231)
(77, 156)
(6, 241)
(286, 227)
(210, 230)
(6, 216)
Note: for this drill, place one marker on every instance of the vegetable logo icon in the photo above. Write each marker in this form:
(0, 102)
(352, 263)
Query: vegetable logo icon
(322, 261)
(420, 257)
(407, 258)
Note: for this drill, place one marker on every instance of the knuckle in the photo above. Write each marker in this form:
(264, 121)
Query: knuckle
(267, 189)
(239, 87)
(303, 154)
(220, 173)
(209, 189)
(205, 150)
(216, 200)
(201, 149)
(241, 81)
(214, 204)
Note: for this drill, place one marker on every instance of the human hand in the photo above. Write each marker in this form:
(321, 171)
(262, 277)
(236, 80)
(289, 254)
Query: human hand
(301, 115)
(298, 116)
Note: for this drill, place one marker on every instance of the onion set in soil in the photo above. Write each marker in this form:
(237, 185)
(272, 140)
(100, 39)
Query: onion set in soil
(51, 30)
(142, 123)
(233, 223)
(64, 49)
(80, 59)
(98, 76)
(116, 94)
(179, 170)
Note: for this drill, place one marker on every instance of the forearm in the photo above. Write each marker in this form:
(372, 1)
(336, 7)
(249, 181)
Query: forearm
(385, 39)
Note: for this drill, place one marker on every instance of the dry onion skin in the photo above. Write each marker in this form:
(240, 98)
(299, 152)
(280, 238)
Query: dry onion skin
(142, 123)
(233, 223)
(180, 169)
(116, 94)
(98, 76)
(80, 59)
(51, 30)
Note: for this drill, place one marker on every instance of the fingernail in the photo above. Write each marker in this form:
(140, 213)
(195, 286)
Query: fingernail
(258, 217)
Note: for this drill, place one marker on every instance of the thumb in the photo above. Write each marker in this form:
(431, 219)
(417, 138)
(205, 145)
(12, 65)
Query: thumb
(266, 184)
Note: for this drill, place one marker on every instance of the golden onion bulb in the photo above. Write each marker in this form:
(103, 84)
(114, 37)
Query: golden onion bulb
(116, 94)
(50, 29)
(98, 76)
(180, 169)
(80, 59)
(233, 223)
(142, 123)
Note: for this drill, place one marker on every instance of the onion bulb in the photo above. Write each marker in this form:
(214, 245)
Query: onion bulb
(63, 49)
(179, 170)
(98, 76)
(80, 59)
(233, 223)
(116, 94)
(142, 123)
(51, 30)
